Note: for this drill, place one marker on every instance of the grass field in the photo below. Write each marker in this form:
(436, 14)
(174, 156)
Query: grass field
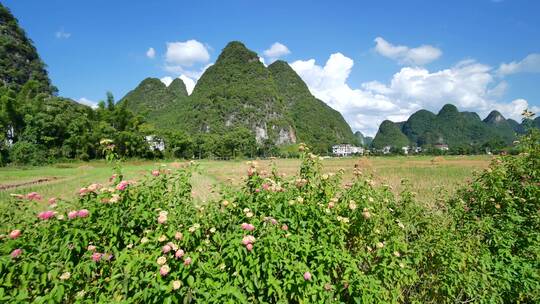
(431, 178)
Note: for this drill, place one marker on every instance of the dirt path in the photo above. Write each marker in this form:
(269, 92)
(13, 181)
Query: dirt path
(34, 182)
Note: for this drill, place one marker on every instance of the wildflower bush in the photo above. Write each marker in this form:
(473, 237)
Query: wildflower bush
(309, 238)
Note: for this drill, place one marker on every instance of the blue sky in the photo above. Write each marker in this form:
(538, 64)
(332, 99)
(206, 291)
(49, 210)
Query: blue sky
(371, 60)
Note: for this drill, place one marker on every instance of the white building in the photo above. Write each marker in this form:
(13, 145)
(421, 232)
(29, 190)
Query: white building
(155, 143)
(442, 147)
(346, 150)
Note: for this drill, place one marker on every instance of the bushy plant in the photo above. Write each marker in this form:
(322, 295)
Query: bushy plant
(24, 152)
(308, 238)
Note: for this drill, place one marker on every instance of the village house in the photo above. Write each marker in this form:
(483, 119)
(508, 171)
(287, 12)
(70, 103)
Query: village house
(346, 150)
(442, 147)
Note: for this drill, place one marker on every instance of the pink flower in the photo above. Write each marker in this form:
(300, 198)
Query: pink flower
(307, 276)
(33, 196)
(166, 248)
(248, 227)
(93, 187)
(273, 221)
(16, 253)
(249, 247)
(284, 227)
(248, 239)
(122, 186)
(113, 177)
(83, 213)
(162, 219)
(96, 256)
(83, 191)
(265, 186)
(187, 261)
(155, 172)
(164, 270)
(179, 253)
(45, 215)
(72, 214)
(14, 234)
(257, 190)
(52, 200)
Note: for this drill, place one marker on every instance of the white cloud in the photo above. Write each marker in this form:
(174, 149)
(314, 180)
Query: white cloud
(276, 51)
(166, 80)
(151, 53)
(529, 64)
(469, 85)
(61, 34)
(421, 55)
(189, 82)
(186, 54)
(87, 102)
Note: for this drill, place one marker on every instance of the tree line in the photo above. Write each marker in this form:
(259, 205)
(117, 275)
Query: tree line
(39, 128)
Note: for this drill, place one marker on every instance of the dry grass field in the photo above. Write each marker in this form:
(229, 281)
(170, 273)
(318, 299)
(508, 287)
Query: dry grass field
(432, 178)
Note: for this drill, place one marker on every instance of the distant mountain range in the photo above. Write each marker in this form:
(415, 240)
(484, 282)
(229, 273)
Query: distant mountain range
(451, 127)
(238, 91)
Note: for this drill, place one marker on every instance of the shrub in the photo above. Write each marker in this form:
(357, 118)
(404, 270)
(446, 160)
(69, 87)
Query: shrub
(305, 239)
(26, 153)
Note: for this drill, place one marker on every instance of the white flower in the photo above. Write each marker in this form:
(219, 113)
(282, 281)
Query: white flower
(80, 294)
(162, 238)
(249, 214)
(352, 205)
(176, 285)
(213, 230)
(163, 213)
(162, 260)
(65, 276)
(144, 240)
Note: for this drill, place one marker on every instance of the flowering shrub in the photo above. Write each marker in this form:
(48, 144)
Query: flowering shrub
(304, 239)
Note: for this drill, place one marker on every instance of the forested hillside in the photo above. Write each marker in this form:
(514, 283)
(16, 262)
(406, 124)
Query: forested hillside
(239, 95)
(19, 60)
(36, 127)
(463, 132)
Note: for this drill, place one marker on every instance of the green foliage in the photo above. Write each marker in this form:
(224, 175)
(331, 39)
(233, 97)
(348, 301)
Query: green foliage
(364, 141)
(389, 134)
(152, 99)
(19, 60)
(316, 124)
(500, 211)
(238, 91)
(24, 152)
(463, 132)
(305, 238)
(50, 128)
